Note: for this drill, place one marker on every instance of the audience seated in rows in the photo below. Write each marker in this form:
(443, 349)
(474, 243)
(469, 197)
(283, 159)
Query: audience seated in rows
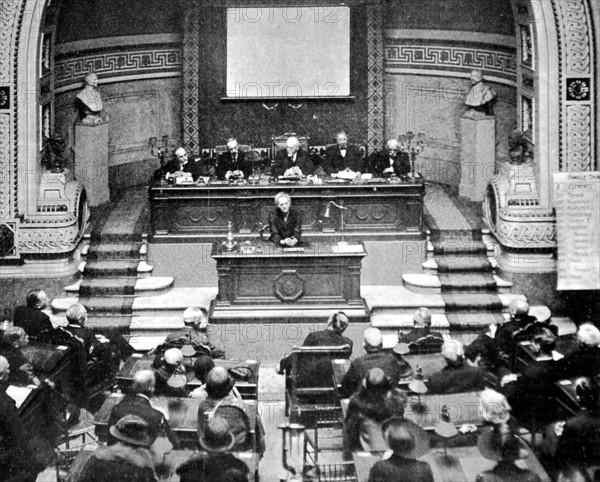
(458, 376)
(392, 365)
(216, 463)
(129, 459)
(422, 329)
(195, 333)
(138, 402)
(375, 401)
(18, 461)
(501, 444)
(402, 437)
(30, 317)
(219, 385)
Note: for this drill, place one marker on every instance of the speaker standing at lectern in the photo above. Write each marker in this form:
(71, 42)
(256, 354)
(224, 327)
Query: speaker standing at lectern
(285, 222)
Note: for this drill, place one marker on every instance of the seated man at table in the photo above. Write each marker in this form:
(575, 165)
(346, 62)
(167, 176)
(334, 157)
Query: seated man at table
(13, 339)
(137, 402)
(422, 328)
(458, 376)
(579, 443)
(30, 317)
(232, 163)
(216, 464)
(77, 318)
(18, 457)
(195, 331)
(392, 365)
(400, 436)
(292, 161)
(180, 166)
(584, 361)
(343, 156)
(127, 460)
(389, 161)
(202, 367)
(285, 223)
(219, 386)
(170, 373)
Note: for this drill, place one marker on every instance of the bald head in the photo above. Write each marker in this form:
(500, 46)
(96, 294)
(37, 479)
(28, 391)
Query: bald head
(588, 335)
(173, 356)
(373, 340)
(195, 316)
(76, 314)
(518, 308)
(453, 352)
(292, 145)
(143, 382)
(422, 318)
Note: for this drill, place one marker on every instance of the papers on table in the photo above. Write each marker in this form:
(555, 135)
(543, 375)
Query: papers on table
(18, 394)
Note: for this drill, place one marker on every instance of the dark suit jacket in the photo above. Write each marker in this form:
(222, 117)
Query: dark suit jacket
(334, 161)
(84, 334)
(400, 469)
(193, 167)
(505, 333)
(33, 321)
(465, 378)
(282, 229)
(225, 163)
(15, 359)
(327, 338)
(360, 366)
(282, 163)
(584, 362)
(579, 443)
(133, 404)
(210, 466)
(507, 472)
(380, 161)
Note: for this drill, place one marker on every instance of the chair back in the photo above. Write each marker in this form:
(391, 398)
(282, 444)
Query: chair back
(279, 142)
(311, 365)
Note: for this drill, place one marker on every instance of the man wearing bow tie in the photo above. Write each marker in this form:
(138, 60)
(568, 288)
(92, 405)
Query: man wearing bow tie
(233, 162)
(292, 161)
(342, 156)
(390, 161)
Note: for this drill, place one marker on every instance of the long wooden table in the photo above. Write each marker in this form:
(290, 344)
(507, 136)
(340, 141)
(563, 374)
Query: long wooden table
(462, 464)
(182, 414)
(377, 209)
(166, 468)
(308, 283)
(248, 388)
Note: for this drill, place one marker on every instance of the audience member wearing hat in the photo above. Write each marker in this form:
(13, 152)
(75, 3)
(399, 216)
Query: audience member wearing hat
(501, 444)
(392, 365)
(579, 443)
(137, 402)
(195, 330)
(407, 441)
(127, 460)
(332, 335)
(457, 376)
(170, 374)
(216, 464)
(219, 385)
(375, 401)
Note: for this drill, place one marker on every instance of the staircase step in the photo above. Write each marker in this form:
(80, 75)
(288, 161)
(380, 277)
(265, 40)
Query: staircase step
(114, 251)
(454, 235)
(430, 283)
(113, 286)
(454, 263)
(175, 301)
(103, 321)
(471, 302)
(404, 321)
(114, 268)
(399, 299)
(156, 323)
(441, 247)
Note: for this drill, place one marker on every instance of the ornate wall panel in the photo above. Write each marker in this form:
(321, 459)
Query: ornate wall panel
(375, 106)
(576, 62)
(191, 72)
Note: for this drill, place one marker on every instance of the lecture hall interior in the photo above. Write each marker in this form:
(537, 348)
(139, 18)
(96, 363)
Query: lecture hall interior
(299, 240)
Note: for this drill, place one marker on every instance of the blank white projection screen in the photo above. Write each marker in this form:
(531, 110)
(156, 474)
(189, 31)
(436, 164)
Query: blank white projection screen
(288, 52)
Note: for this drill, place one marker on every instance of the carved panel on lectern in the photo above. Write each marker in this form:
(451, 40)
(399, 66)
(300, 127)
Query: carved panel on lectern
(288, 286)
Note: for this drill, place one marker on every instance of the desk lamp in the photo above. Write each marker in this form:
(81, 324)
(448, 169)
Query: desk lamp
(327, 214)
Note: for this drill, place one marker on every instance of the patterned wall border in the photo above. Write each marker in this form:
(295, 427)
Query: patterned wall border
(402, 54)
(69, 70)
(573, 25)
(375, 59)
(191, 72)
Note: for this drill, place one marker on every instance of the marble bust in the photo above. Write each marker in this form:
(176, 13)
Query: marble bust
(90, 101)
(480, 97)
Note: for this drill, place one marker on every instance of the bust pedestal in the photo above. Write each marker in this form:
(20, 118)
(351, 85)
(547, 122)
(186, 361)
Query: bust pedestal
(91, 161)
(478, 154)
